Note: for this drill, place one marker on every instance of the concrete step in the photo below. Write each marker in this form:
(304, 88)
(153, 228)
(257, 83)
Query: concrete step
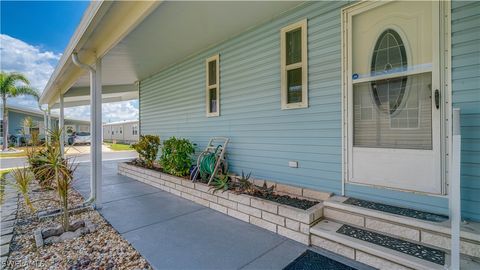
(426, 232)
(325, 235)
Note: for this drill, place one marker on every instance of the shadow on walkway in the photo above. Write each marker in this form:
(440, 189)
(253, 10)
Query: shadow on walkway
(174, 233)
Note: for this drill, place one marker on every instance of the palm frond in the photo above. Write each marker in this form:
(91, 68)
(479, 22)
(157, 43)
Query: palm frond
(23, 91)
(8, 81)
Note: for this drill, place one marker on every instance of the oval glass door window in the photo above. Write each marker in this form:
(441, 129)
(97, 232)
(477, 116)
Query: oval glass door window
(389, 56)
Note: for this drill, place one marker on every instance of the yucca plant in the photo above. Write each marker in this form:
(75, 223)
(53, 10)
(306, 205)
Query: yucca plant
(61, 170)
(37, 157)
(31, 148)
(22, 178)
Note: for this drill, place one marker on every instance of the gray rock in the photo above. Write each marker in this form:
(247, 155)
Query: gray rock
(90, 226)
(51, 240)
(38, 238)
(76, 224)
(67, 236)
(52, 231)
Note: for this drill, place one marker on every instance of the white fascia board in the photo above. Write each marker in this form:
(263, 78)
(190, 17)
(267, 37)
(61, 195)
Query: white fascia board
(105, 23)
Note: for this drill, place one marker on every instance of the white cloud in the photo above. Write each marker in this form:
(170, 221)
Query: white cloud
(38, 65)
(34, 63)
(111, 112)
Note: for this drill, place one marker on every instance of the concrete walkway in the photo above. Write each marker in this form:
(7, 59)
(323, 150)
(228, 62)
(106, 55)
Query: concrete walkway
(174, 233)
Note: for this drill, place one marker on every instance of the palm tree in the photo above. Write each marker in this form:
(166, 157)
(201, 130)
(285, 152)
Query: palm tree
(10, 88)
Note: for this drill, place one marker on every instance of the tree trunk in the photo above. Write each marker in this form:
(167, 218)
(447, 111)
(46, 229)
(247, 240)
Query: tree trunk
(66, 222)
(5, 124)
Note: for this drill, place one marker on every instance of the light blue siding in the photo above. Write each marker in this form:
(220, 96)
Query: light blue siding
(15, 121)
(466, 96)
(264, 137)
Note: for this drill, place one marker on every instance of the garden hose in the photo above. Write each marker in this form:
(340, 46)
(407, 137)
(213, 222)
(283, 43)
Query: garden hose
(207, 165)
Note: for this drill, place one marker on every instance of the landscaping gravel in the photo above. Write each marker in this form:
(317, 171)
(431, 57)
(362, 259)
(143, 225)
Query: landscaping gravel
(102, 249)
(288, 200)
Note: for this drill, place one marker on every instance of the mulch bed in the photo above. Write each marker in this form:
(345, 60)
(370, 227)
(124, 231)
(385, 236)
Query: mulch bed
(102, 249)
(288, 200)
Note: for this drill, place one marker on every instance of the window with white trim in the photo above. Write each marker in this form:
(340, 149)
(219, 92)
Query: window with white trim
(134, 130)
(294, 66)
(212, 79)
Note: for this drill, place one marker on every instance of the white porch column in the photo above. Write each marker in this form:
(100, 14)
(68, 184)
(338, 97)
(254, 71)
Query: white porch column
(49, 125)
(61, 125)
(455, 191)
(96, 133)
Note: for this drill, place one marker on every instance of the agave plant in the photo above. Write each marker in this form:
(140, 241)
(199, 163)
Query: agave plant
(22, 178)
(221, 182)
(61, 170)
(243, 184)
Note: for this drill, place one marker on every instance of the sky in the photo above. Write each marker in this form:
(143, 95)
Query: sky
(33, 37)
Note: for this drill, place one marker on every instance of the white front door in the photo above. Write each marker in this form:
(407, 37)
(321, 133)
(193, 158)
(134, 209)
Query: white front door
(393, 89)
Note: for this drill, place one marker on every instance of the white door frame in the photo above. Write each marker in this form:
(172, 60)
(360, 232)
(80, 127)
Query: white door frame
(445, 92)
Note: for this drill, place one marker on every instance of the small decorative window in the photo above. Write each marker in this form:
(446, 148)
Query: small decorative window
(294, 73)
(389, 56)
(212, 94)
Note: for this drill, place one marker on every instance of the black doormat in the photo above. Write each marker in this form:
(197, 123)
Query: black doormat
(397, 210)
(310, 260)
(416, 250)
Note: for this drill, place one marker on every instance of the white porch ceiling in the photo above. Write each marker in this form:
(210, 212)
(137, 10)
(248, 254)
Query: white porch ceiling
(171, 33)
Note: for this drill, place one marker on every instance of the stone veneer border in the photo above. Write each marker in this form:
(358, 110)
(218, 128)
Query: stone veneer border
(291, 222)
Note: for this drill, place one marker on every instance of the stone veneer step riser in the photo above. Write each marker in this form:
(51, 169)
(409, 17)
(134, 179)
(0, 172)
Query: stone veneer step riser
(325, 235)
(285, 220)
(468, 247)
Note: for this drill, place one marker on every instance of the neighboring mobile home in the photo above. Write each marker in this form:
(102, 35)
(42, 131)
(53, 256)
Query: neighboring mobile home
(17, 115)
(355, 99)
(121, 132)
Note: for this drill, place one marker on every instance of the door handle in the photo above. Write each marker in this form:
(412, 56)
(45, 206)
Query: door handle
(437, 99)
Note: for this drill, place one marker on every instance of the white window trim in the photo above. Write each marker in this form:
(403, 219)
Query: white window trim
(303, 64)
(215, 58)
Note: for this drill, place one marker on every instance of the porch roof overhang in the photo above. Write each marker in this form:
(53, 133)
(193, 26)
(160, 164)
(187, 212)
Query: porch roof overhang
(137, 39)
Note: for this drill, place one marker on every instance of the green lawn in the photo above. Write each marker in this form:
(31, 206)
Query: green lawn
(8, 155)
(119, 147)
(2, 183)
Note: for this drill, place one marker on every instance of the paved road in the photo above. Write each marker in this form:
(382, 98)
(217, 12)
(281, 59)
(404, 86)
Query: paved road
(6, 163)
(174, 233)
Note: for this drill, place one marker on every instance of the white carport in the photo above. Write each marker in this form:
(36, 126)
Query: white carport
(123, 42)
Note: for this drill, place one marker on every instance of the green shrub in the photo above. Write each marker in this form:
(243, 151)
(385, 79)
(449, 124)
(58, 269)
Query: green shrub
(176, 156)
(147, 148)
